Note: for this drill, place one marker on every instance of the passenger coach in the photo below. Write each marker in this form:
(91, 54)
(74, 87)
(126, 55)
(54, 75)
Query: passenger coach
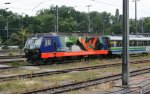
(137, 44)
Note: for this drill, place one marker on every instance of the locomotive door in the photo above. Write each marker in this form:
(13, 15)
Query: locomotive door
(54, 45)
(105, 43)
(47, 45)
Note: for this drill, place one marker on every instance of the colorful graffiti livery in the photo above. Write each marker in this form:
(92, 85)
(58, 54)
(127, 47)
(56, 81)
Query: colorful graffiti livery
(61, 46)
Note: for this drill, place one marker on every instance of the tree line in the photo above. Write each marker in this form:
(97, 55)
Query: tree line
(16, 28)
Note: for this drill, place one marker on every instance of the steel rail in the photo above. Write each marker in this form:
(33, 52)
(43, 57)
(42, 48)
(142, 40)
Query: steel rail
(4, 68)
(12, 60)
(40, 74)
(11, 57)
(83, 84)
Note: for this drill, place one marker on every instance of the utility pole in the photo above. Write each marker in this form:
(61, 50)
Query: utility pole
(142, 25)
(136, 16)
(125, 58)
(22, 21)
(103, 27)
(6, 28)
(57, 23)
(7, 3)
(89, 26)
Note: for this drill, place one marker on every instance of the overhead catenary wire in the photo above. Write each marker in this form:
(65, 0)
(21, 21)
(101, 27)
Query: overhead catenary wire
(106, 3)
(18, 8)
(37, 5)
(110, 4)
(34, 8)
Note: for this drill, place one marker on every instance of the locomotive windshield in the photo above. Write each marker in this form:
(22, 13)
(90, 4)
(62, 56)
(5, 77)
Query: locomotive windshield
(34, 42)
(38, 42)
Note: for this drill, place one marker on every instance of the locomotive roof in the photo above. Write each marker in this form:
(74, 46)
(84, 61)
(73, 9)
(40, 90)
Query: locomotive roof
(64, 34)
(131, 37)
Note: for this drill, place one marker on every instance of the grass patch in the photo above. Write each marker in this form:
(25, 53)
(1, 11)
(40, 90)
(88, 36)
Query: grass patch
(10, 54)
(22, 85)
(18, 63)
(18, 86)
(61, 79)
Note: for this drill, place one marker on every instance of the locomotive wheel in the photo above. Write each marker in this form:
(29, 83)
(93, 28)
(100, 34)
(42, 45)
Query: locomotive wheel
(86, 58)
(48, 61)
(39, 62)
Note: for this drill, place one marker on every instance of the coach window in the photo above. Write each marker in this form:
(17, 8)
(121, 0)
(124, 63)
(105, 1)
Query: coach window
(139, 43)
(148, 43)
(131, 43)
(47, 42)
(112, 43)
(145, 43)
(136, 43)
(142, 43)
(119, 43)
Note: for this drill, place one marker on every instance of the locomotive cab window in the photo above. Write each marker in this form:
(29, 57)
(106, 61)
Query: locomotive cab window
(47, 42)
(37, 42)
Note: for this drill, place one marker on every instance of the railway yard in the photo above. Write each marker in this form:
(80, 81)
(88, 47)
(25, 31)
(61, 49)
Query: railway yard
(60, 47)
(73, 77)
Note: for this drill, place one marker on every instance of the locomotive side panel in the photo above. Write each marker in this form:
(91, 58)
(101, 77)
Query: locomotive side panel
(74, 46)
(51, 48)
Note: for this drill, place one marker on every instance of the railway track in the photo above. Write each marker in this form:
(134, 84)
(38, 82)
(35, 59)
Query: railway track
(83, 84)
(1, 62)
(9, 78)
(4, 68)
(12, 57)
(147, 92)
(5, 61)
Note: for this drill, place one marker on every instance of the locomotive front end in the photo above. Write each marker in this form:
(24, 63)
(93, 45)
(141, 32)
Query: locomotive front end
(32, 49)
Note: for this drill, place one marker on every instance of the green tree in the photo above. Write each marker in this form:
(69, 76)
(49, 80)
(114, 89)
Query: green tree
(67, 25)
(47, 23)
(147, 25)
(18, 38)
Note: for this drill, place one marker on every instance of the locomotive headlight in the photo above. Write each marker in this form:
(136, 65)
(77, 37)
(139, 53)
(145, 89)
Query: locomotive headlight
(26, 51)
(37, 51)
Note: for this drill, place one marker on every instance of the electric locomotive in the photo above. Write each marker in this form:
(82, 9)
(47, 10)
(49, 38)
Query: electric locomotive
(53, 47)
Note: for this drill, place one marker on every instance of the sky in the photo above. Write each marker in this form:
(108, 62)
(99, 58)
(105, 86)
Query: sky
(30, 7)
